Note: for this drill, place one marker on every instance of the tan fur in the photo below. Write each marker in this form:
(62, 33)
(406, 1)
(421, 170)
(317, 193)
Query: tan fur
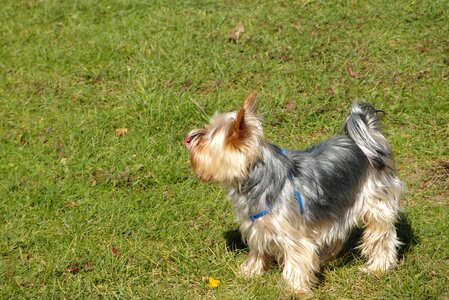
(292, 248)
(225, 149)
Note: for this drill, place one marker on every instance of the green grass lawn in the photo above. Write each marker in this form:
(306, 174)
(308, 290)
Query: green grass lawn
(85, 213)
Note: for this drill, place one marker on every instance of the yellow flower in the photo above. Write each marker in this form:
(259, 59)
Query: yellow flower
(213, 283)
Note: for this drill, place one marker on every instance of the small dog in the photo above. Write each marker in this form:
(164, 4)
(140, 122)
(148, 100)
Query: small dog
(300, 206)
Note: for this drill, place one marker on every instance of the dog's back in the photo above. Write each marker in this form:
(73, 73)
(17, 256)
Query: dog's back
(330, 174)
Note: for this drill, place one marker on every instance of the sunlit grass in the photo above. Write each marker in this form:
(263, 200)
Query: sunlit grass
(89, 214)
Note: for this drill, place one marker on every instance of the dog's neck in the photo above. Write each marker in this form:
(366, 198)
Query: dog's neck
(264, 183)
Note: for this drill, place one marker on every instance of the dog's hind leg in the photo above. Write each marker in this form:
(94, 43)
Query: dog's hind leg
(380, 212)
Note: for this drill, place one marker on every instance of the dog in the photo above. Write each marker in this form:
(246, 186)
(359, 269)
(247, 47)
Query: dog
(299, 206)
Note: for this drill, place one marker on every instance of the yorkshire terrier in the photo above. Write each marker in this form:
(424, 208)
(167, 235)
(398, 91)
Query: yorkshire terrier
(299, 206)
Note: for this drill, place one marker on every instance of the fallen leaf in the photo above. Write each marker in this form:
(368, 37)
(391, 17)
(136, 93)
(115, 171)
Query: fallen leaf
(100, 175)
(213, 283)
(235, 33)
(116, 252)
(121, 131)
(73, 268)
(70, 204)
(351, 71)
(291, 105)
(87, 265)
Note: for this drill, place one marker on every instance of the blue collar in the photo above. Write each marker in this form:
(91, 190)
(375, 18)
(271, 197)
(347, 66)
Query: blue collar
(259, 214)
(267, 210)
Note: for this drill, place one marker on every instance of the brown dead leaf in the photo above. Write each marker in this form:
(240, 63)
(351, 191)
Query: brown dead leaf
(73, 268)
(99, 175)
(291, 105)
(87, 266)
(235, 33)
(121, 131)
(116, 252)
(351, 71)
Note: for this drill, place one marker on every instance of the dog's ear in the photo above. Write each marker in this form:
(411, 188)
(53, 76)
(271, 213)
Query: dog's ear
(238, 129)
(250, 104)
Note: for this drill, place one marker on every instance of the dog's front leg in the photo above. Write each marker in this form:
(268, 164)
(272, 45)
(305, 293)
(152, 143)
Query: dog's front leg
(258, 257)
(300, 262)
(256, 263)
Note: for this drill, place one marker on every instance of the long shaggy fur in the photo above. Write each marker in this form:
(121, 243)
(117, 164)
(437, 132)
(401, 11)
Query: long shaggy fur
(343, 181)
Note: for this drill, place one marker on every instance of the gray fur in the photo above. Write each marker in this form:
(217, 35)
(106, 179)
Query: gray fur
(328, 175)
(363, 126)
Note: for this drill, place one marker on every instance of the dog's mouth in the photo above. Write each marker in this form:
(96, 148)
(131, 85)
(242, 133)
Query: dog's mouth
(188, 140)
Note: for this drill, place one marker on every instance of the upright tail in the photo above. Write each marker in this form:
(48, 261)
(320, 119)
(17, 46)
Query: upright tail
(363, 127)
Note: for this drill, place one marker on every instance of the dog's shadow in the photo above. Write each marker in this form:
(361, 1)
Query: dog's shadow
(234, 241)
(349, 251)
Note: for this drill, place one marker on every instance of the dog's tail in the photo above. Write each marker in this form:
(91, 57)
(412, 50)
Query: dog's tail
(363, 127)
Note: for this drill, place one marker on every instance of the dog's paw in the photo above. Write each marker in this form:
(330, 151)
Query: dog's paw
(376, 269)
(249, 270)
(304, 293)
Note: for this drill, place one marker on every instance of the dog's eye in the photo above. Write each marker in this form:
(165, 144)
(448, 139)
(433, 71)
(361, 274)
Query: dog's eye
(200, 134)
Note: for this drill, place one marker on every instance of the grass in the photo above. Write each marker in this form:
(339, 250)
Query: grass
(89, 214)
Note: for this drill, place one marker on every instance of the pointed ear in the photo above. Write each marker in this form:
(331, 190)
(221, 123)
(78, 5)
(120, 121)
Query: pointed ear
(239, 128)
(250, 104)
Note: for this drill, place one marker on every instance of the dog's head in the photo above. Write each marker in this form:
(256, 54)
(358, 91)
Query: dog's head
(224, 150)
